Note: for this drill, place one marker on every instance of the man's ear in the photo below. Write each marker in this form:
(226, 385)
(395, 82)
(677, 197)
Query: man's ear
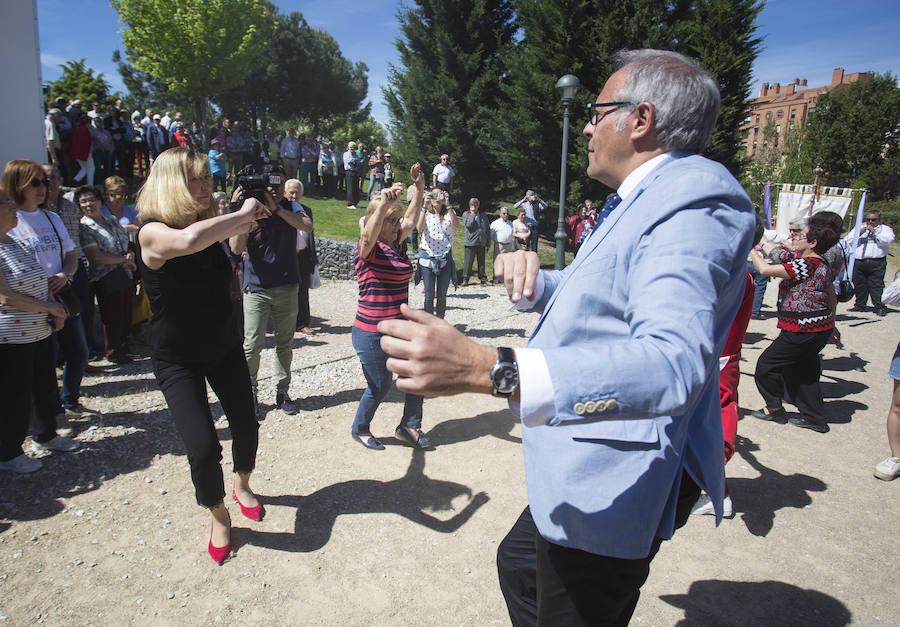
(644, 117)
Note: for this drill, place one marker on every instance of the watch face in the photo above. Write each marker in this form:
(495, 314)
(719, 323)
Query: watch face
(505, 378)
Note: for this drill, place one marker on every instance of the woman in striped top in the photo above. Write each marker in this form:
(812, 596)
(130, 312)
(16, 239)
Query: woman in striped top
(27, 317)
(383, 271)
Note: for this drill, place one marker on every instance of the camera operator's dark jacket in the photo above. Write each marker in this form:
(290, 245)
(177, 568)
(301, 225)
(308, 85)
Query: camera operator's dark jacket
(270, 259)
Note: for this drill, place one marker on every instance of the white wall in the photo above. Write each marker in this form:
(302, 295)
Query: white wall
(21, 101)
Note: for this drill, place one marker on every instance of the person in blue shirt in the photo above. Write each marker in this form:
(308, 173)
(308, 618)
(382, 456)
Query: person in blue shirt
(218, 165)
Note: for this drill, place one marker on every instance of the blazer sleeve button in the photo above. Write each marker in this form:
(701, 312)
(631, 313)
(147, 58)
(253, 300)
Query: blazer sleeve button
(611, 404)
(579, 409)
(590, 407)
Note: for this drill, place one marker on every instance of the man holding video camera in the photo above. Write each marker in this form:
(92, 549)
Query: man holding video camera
(271, 276)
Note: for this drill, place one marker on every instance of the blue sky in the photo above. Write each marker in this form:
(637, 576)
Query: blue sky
(801, 38)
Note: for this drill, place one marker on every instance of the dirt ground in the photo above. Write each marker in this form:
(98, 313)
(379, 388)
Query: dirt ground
(112, 535)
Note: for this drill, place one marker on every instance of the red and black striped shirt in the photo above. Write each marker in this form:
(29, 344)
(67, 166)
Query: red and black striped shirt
(383, 279)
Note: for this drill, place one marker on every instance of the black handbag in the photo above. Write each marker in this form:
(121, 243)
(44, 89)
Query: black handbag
(65, 296)
(845, 289)
(113, 281)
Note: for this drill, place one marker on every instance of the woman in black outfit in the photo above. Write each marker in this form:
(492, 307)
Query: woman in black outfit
(195, 339)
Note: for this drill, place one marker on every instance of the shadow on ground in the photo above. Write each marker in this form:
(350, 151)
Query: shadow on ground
(758, 500)
(414, 496)
(762, 603)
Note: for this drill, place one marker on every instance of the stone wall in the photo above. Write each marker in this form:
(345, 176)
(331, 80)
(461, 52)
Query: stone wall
(335, 259)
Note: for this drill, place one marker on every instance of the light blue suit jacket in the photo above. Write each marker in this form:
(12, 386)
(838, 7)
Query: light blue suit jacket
(631, 332)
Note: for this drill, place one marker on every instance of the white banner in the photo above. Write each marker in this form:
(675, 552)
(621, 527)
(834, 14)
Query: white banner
(799, 201)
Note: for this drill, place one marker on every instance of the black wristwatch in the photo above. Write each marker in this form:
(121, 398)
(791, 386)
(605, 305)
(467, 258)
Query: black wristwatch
(505, 373)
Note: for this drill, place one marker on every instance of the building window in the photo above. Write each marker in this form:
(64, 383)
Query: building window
(780, 113)
(755, 131)
(769, 115)
(757, 118)
(793, 113)
(778, 129)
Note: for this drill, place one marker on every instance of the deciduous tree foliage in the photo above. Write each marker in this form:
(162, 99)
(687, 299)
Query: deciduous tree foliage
(144, 91)
(77, 81)
(198, 48)
(301, 75)
(443, 95)
(855, 135)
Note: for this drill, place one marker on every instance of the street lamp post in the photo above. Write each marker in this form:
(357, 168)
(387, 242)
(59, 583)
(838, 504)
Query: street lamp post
(568, 85)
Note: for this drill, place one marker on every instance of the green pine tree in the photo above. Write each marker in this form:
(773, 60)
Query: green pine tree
(77, 81)
(442, 97)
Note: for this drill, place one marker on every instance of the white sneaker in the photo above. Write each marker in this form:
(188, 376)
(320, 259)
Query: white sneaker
(22, 464)
(888, 469)
(80, 412)
(58, 443)
(704, 507)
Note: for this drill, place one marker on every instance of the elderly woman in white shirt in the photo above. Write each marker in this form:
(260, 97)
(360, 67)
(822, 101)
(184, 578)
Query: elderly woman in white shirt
(437, 224)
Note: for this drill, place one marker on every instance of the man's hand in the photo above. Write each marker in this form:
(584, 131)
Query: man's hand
(431, 357)
(518, 271)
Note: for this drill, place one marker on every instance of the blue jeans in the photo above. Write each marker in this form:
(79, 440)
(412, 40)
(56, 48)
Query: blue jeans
(73, 346)
(760, 281)
(373, 359)
(375, 179)
(308, 176)
(443, 282)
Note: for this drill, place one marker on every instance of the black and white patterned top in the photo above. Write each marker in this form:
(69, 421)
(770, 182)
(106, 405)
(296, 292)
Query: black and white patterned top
(24, 275)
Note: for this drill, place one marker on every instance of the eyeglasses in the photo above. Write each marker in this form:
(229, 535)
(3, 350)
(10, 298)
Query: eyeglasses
(872, 219)
(595, 115)
(39, 182)
(88, 200)
(116, 196)
(393, 221)
(795, 231)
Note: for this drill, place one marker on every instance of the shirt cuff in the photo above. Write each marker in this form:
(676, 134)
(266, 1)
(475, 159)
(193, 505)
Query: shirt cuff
(535, 404)
(524, 304)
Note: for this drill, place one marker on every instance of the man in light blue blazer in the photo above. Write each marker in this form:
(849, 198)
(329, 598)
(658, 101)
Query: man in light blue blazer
(618, 388)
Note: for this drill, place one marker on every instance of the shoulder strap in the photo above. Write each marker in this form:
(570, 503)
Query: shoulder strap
(62, 258)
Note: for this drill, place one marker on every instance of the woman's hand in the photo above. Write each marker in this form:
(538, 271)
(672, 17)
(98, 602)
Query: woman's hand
(391, 195)
(57, 282)
(236, 194)
(129, 261)
(57, 315)
(415, 173)
(253, 210)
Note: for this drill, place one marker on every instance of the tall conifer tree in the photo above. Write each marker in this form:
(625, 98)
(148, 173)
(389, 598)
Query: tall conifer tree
(442, 97)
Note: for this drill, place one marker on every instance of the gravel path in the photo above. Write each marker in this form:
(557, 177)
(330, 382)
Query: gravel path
(112, 535)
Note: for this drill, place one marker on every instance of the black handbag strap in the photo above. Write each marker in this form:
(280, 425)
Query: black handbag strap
(62, 258)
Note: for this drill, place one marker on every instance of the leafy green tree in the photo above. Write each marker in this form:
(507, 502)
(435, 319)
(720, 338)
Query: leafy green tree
(855, 134)
(359, 127)
(197, 48)
(77, 81)
(443, 95)
(302, 76)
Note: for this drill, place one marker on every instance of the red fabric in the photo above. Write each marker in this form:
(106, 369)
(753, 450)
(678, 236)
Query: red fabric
(730, 373)
(80, 143)
(180, 140)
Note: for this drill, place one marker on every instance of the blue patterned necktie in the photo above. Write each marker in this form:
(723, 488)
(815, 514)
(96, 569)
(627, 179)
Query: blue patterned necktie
(611, 203)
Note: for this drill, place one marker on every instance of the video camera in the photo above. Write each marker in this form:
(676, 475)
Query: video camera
(254, 184)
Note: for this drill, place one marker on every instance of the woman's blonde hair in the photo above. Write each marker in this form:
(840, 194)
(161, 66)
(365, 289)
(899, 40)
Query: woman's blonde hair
(166, 195)
(17, 176)
(114, 184)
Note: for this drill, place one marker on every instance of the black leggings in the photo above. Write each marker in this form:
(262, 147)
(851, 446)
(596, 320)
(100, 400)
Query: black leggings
(184, 386)
(791, 363)
(27, 374)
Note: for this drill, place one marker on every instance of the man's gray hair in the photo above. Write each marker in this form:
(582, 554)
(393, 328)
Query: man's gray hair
(684, 96)
(297, 181)
(800, 222)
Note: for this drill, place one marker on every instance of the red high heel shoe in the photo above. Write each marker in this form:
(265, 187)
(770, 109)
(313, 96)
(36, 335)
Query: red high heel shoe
(218, 553)
(253, 513)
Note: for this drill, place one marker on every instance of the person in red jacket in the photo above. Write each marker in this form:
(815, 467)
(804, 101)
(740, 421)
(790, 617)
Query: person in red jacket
(80, 149)
(181, 138)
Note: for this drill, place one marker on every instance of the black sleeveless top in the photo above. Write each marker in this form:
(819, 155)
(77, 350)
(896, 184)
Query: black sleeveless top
(193, 320)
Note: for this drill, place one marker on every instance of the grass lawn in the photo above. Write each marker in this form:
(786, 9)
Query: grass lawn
(334, 221)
